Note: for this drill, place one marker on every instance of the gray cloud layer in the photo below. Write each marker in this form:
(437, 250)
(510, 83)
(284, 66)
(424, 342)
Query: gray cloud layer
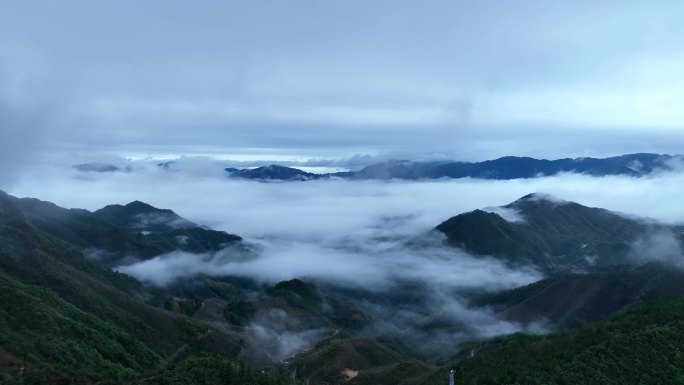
(305, 78)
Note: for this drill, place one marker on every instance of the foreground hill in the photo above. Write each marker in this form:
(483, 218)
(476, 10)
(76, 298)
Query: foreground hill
(509, 167)
(361, 360)
(65, 319)
(58, 306)
(643, 345)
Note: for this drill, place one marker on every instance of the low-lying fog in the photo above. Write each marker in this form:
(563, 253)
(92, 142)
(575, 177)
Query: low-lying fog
(368, 234)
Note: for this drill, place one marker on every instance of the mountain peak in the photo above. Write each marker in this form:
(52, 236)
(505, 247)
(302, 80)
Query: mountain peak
(142, 216)
(277, 167)
(538, 198)
(142, 207)
(272, 172)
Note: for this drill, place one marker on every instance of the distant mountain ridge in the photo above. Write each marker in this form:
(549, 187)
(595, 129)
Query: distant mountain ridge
(505, 168)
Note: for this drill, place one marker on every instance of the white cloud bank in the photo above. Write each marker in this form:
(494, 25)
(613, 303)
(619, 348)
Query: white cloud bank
(363, 234)
(198, 190)
(353, 231)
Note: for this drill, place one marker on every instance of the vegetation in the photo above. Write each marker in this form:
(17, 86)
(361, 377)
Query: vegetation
(404, 373)
(572, 300)
(68, 319)
(554, 236)
(325, 363)
(643, 345)
(213, 369)
(238, 312)
(314, 307)
(116, 231)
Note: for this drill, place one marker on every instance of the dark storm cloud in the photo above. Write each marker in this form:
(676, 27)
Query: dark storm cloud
(468, 79)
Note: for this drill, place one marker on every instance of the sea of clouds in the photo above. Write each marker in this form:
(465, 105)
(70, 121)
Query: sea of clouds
(371, 235)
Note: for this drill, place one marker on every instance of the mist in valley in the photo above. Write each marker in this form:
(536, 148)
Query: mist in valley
(371, 242)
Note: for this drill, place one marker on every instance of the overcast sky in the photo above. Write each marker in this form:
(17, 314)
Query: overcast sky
(331, 79)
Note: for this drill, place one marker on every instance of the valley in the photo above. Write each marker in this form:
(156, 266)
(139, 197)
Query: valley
(316, 330)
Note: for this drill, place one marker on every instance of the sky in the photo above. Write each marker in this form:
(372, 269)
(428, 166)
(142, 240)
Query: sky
(305, 79)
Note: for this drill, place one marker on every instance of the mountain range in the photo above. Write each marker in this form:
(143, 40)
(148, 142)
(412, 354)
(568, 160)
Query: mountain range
(609, 309)
(509, 167)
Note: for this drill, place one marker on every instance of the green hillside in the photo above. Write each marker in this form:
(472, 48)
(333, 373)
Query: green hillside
(164, 228)
(643, 345)
(572, 300)
(116, 232)
(328, 361)
(66, 319)
(553, 235)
